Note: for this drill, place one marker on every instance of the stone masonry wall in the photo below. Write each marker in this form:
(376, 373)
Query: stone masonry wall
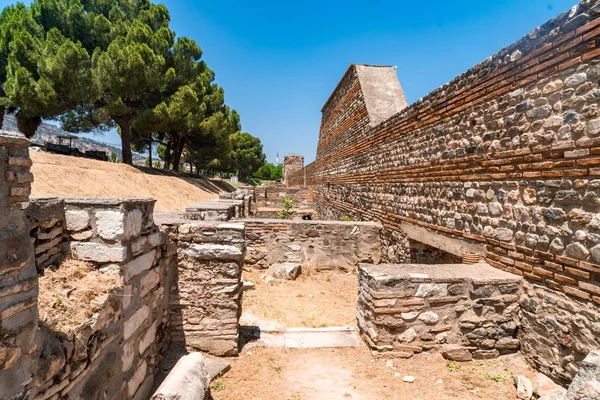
(47, 226)
(270, 195)
(322, 244)
(18, 277)
(115, 354)
(292, 163)
(206, 292)
(506, 155)
(571, 327)
(410, 308)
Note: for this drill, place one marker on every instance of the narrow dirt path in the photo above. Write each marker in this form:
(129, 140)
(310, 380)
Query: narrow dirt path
(352, 373)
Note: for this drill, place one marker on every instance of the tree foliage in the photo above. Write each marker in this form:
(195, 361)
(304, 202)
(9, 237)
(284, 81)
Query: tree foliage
(97, 64)
(269, 172)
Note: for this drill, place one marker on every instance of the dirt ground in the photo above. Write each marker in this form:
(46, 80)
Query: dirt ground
(65, 176)
(352, 373)
(327, 298)
(314, 300)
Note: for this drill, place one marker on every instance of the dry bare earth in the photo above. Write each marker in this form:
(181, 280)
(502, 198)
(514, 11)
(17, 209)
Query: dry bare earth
(314, 300)
(352, 373)
(64, 176)
(328, 298)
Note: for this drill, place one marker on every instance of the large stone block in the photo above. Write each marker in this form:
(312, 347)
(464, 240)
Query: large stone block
(97, 252)
(211, 251)
(138, 265)
(136, 321)
(288, 271)
(137, 379)
(77, 220)
(110, 225)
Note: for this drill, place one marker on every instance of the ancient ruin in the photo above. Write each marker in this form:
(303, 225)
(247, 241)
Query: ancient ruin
(472, 218)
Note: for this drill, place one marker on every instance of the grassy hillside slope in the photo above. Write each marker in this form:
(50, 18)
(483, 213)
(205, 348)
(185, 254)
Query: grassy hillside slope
(65, 176)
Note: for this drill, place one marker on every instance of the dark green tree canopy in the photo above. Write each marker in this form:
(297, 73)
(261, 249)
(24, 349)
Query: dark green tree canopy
(97, 64)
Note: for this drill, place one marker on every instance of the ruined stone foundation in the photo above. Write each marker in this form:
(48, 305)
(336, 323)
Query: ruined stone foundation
(411, 308)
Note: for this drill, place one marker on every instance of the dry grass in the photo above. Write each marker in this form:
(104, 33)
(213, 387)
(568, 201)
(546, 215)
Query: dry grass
(66, 294)
(65, 176)
(352, 373)
(314, 300)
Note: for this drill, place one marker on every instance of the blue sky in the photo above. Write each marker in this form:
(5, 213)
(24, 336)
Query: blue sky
(279, 60)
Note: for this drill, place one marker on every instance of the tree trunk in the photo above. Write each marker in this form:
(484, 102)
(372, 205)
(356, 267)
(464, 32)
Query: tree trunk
(174, 160)
(167, 155)
(124, 122)
(2, 112)
(28, 126)
(177, 151)
(150, 152)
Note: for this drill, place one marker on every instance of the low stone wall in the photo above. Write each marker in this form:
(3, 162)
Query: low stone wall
(270, 196)
(245, 193)
(323, 244)
(115, 353)
(410, 308)
(214, 210)
(47, 226)
(206, 292)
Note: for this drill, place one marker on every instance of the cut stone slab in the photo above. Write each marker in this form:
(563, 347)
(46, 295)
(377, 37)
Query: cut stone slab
(455, 352)
(307, 338)
(216, 368)
(289, 271)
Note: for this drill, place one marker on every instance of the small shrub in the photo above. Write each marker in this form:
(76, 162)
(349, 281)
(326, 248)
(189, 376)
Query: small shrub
(346, 218)
(218, 386)
(495, 378)
(287, 205)
(453, 367)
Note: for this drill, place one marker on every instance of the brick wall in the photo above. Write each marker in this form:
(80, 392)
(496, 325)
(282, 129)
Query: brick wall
(507, 155)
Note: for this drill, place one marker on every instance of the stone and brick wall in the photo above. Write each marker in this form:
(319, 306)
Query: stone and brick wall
(18, 277)
(270, 196)
(506, 156)
(206, 289)
(322, 244)
(410, 308)
(47, 226)
(292, 163)
(115, 353)
(214, 210)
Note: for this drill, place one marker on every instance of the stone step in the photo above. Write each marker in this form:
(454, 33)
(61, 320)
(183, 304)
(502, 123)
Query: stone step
(307, 338)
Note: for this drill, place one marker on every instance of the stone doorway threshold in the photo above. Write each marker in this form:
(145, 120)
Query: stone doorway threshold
(259, 332)
(301, 338)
